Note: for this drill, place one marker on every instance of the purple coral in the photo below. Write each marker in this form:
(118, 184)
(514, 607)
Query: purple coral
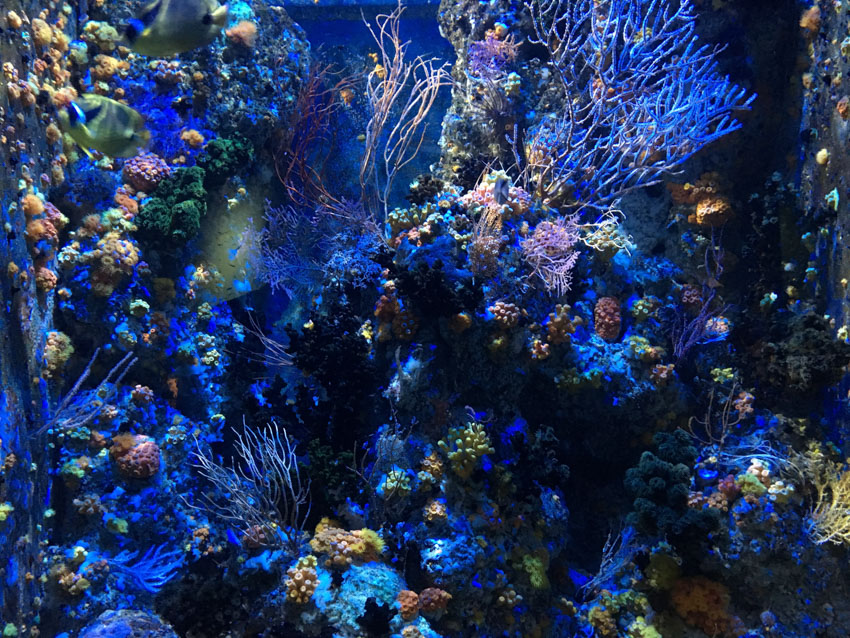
(489, 58)
(551, 254)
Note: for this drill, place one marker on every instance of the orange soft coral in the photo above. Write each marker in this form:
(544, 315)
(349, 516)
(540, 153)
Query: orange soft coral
(703, 603)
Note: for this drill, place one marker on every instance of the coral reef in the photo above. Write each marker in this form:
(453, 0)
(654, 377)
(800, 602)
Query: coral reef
(583, 375)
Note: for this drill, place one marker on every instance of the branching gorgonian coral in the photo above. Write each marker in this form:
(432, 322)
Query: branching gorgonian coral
(262, 492)
(400, 93)
(641, 96)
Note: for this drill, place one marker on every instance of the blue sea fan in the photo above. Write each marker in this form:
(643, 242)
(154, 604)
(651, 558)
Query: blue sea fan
(152, 571)
(641, 96)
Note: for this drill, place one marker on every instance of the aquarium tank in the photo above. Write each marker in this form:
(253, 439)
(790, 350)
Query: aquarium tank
(424, 319)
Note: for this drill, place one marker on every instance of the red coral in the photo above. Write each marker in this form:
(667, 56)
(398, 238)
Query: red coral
(703, 603)
(606, 317)
(408, 603)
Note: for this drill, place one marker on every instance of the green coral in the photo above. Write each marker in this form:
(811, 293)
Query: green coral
(750, 485)
(175, 213)
(5, 509)
(640, 629)
(223, 158)
(535, 567)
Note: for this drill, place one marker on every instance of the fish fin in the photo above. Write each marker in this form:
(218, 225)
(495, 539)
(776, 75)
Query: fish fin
(133, 30)
(143, 136)
(92, 112)
(219, 16)
(149, 13)
(76, 115)
(87, 152)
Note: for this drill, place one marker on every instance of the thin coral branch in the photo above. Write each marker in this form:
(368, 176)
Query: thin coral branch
(76, 410)
(152, 571)
(400, 93)
(641, 96)
(263, 491)
(302, 155)
(274, 354)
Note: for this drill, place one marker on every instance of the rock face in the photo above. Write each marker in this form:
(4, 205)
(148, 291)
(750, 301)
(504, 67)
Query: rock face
(128, 623)
(498, 76)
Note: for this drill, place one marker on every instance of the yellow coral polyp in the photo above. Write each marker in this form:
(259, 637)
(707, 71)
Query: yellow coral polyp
(465, 446)
(302, 581)
(342, 547)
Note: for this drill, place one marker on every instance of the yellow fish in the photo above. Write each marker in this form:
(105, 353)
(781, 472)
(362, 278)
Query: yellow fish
(167, 27)
(110, 127)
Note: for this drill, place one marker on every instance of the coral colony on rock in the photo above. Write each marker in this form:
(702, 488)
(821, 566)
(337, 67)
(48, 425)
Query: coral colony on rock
(479, 319)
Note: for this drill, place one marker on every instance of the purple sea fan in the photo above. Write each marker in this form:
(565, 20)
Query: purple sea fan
(551, 254)
(489, 58)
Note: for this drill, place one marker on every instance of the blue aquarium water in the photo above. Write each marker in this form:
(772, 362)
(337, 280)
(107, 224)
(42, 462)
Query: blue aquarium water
(473, 319)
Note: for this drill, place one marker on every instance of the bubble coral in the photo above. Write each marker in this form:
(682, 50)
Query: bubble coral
(343, 548)
(135, 456)
(302, 581)
(606, 318)
(13, 20)
(712, 212)
(192, 138)
(114, 257)
(102, 34)
(89, 505)
(106, 67)
(166, 73)
(144, 172)
(430, 470)
(435, 511)
(661, 374)
(41, 230)
(810, 21)
(54, 216)
(142, 395)
(42, 33)
(45, 279)
(32, 206)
